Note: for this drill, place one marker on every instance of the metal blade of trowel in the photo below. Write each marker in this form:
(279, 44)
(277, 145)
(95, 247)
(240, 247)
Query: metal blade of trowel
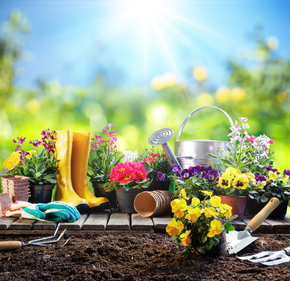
(238, 240)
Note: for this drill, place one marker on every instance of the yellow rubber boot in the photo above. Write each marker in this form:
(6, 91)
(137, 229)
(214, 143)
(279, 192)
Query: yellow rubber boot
(80, 157)
(65, 191)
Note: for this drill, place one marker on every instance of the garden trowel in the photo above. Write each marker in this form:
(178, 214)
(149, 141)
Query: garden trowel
(238, 240)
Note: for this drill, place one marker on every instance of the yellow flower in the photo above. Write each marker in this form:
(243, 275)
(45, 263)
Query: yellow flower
(210, 212)
(195, 201)
(208, 193)
(241, 182)
(225, 180)
(199, 73)
(182, 194)
(193, 214)
(260, 185)
(251, 178)
(215, 201)
(226, 210)
(30, 153)
(12, 160)
(272, 175)
(233, 172)
(284, 178)
(215, 228)
(185, 238)
(174, 227)
(178, 207)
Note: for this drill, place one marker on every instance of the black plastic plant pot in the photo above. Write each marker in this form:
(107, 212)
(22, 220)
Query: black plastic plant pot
(40, 193)
(99, 191)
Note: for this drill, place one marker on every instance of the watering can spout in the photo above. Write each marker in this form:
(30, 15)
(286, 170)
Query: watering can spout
(161, 137)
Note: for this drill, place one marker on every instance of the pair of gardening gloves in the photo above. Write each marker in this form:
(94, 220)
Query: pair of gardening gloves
(52, 212)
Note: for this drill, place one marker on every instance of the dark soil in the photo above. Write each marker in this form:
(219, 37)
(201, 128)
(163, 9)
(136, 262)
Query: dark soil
(134, 257)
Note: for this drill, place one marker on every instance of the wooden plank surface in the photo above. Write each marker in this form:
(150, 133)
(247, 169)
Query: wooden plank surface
(22, 224)
(77, 225)
(42, 225)
(279, 224)
(160, 223)
(119, 221)
(140, 223)
(97, 221)
(263, 226)
(6, 222)
(239, 224)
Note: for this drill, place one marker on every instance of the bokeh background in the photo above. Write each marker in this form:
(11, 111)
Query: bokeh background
(144, 65)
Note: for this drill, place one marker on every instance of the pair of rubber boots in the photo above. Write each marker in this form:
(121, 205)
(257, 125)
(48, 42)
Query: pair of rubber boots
(73, 149)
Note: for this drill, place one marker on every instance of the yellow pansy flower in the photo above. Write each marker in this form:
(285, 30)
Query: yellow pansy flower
(241, 182)
(225, 180)
(215, 228)
(185, 238)
(12, 160)
(193, 214)
(215, 201)
(210, 212)
(226, 210)
(251, 178)
(195, 201)
(178, 207)
(233, 172)
(174, 227)
(208, 193)
(284, 178)
(272, 175)
(182, 194)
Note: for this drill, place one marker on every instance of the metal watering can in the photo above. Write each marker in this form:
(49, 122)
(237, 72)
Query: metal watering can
(190, 152)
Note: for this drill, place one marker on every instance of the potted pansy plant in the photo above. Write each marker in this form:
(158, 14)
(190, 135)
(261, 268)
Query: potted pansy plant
(158, 168)
(201, 224)
(253, 156)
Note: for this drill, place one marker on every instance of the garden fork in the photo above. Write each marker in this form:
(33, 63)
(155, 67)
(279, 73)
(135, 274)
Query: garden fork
(269, 257)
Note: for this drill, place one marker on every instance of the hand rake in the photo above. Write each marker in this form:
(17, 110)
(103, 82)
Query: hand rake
(11, 245)
(270, 257)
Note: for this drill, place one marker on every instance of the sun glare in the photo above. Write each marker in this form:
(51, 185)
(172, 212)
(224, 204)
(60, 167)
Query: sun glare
(143, 7)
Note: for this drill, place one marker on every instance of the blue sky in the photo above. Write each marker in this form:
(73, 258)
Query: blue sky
(70, 41)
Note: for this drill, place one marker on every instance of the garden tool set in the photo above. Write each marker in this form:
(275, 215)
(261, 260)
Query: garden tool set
(72, 149)
(269, 257)
(190, 152)
(238, 240)
(11, 245)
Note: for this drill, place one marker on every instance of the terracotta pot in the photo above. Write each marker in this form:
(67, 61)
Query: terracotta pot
(159, 185)
(126, 199)
(253, 207)
(40, 193)
(238, 204)
(153, 203)
(99, 191)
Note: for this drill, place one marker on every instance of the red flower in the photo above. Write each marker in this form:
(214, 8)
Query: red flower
(150, 159)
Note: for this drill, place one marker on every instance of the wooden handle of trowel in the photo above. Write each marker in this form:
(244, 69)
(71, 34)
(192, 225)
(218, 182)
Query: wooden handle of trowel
(258, 219)
(10, 245)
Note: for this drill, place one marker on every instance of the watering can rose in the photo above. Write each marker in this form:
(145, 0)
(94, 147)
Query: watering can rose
(129, 175)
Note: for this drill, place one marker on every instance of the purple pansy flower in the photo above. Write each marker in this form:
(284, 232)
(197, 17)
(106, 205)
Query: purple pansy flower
(175, 169)
(287, 172)
(212, 175)
(185, 174)
(260, 178)
(160, 176)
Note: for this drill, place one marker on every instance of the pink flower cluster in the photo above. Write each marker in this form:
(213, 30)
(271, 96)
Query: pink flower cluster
(110, 143)
(127, 172)
(261, 143)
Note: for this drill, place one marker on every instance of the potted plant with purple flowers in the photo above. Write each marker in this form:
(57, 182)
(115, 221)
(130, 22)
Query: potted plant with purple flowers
(157, 167)
(38, 165)
(193, 181)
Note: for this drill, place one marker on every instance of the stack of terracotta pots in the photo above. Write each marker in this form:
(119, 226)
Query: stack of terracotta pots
(153, 203)
(17, 187)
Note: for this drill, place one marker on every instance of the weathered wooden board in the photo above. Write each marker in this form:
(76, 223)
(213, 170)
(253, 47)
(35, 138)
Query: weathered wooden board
(160, 223)
(96, 221)
(264, 224)
(239, 224)
(140, 223)
(119, 221)
(22, 224)
(278, 224)
(42, 225)
(77, 225)
(6, 222)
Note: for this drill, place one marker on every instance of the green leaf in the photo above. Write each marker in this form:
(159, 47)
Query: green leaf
(229, 227)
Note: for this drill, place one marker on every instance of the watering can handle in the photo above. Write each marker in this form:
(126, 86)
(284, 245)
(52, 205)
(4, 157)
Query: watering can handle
(193, 112)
